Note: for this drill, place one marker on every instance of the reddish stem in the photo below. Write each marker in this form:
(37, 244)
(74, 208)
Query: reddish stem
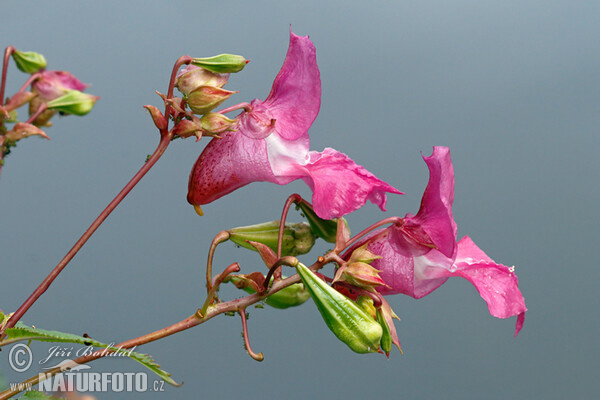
(162, 146)
(7, 53)
(194, 320)
(287, 260)
(29, 81)
(218, 239)
(390, 220)
(258, 357)
(43, 107)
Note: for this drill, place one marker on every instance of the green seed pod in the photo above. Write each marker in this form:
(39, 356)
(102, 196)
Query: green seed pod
(73, 102)
(29, 62)
(291, 296)
(297, 238)
(345, 319)
(222, 64)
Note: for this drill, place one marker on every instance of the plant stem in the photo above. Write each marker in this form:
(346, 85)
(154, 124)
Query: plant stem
(165, 138)
(7, 53)
(237, 305)
(162, 146)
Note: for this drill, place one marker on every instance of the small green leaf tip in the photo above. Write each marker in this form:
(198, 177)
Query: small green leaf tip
(222, 64)
(73, 102)
(29, 62)
(326, 229)
(348, 322)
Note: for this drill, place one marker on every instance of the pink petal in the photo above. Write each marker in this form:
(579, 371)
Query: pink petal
(295, 97)
(227, 164)
(435, 215)
(339, 185)
(53, 84)
(496, 283)
(403, 267)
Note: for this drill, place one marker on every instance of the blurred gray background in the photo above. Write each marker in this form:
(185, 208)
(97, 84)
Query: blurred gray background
(512, 87)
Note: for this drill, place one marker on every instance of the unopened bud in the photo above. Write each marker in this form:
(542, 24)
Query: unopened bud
(205, 98)
(73, 102)
(186, 128)
(223, 63)
(348, 322)
(192, 77)
(29, 62)
(159, 119)
(216, 123)
(297, 238)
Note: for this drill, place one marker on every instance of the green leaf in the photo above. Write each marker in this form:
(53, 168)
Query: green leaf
(24, 332)
(36, 395)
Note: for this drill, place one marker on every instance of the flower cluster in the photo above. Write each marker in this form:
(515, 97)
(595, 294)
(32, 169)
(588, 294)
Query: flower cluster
(269, 142)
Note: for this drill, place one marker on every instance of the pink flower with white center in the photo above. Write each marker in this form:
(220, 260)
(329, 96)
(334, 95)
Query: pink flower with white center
(270, 143)
(53, 84)
(420, 254)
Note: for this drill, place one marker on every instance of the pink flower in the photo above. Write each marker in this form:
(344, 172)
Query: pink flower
(271, 144)
(53, 84)
(419, 255)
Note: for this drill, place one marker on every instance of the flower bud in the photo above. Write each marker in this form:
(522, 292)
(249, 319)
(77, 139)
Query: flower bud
(223, 63)
(297, 238)
(216, 123)
(28, 61)
(359, 274)
(54, 84)
(326, 229)
(205, 98)
(73, 102)
(192, 77)
(157, 117)
(186, 128)
(348, 322)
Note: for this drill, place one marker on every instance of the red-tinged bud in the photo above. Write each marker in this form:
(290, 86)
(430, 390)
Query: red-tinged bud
(205, 98)
(22, 130)
(186, 128)
(19, 100)
(192, 77)
(361, 254)
(159, 119)
(216, 123)
(359, 274)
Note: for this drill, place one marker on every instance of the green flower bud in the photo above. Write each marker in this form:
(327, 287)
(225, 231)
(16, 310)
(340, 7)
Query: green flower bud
(29, 62)
(203, 99)
(297, 238)
(386, 337)
(73, 102)
(216, 123)
(348, 322)
(222, 64)
(326, 229)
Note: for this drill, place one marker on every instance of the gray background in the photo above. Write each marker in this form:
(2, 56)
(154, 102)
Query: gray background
(512, 87)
